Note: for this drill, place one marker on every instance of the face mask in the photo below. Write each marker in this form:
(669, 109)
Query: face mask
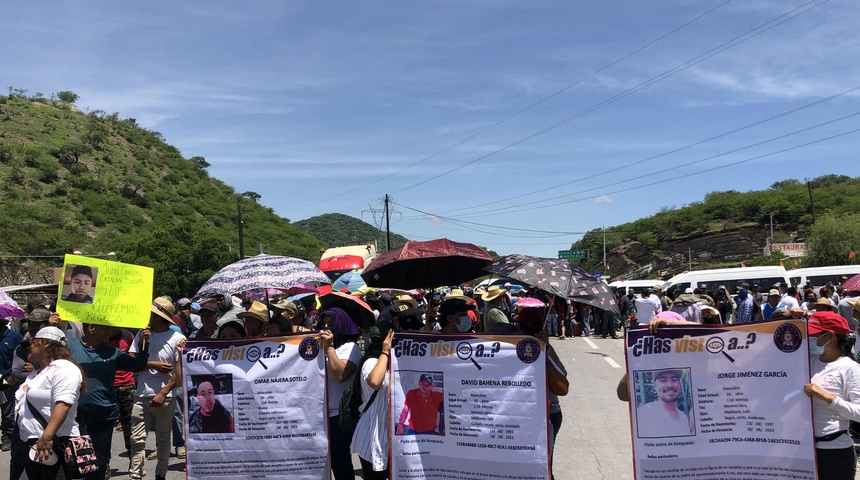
(465, 324)
(814, 349)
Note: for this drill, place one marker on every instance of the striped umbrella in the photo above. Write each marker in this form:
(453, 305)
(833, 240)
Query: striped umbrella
(261, 272)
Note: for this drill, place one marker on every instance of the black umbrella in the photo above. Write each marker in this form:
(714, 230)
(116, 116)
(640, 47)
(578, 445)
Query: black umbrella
(558, 277)
(427, 264)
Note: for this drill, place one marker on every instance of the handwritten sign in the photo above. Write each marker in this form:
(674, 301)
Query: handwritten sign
(105, 292)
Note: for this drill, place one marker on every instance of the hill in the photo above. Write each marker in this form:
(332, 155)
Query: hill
(725, 229)
(98, 183)
(338, 230)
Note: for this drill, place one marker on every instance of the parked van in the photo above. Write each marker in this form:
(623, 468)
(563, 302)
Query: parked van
(636, 285)
(337, 261)
(818, 276)
(764, 277)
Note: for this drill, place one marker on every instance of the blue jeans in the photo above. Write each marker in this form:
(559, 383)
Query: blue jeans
(586, 329)
(552, 324)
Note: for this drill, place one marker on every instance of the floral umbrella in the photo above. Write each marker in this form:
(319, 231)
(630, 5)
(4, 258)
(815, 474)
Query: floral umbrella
(558, 277)
(262, 272)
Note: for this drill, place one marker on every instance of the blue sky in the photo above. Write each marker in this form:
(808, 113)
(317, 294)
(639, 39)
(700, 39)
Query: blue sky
(327, 106)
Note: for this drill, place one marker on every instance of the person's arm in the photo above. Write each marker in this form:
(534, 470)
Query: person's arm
(161, 396)
(623, 389)
(849, 408)
(404, 414)
(134, 362)
(45, 443)
(656, 322)
(339, 369)
(556, 373)
(377, 374)
(20, 366)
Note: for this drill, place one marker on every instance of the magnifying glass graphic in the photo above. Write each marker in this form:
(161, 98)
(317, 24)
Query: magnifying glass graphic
(254, 355)
(464, 351)
(716, 345)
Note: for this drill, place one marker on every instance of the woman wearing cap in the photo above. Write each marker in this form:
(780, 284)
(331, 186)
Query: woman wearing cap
(835, 393)
(47, 404)
(370, 440)
(339, 335)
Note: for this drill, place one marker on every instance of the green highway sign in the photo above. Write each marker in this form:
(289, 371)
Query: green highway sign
(572, 254)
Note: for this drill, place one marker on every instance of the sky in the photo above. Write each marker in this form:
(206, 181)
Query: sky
(513, 125)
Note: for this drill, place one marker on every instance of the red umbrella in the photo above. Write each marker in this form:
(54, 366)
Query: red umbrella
(358, 310)
(427, 264)
(852, 284)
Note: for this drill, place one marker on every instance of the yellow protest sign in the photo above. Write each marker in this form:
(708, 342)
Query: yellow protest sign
(105, 292)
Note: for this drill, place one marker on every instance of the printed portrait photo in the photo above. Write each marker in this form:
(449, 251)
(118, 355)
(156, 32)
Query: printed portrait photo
(210, 403)
(664, 403)
(79, 283)
(421, 411)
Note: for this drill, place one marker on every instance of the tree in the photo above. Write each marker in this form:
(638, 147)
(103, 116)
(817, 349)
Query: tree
(71, 151)
(95, 130)
(254, 196)
(67, 97)
(199, 162)
(832, 239)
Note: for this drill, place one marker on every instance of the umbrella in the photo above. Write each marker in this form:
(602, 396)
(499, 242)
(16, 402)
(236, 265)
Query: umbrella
(528, 302)
(427, 264)
(852, 284)
(266, 293)
(558, 277)
(302, 288)
(261, 272)
(10, 311)
(359, 311)
(351, 281)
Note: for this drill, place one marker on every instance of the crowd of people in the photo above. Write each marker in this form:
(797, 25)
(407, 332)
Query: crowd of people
(64, 379)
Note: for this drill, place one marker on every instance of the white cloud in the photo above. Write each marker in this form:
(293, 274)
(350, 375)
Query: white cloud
(603, 199)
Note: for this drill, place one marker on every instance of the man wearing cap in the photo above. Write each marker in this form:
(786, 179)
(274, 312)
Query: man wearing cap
(190, 321)
(495, 321)
(662, 417)
(773, 298)
(744, 306)
(209, 315)
(423, 408)
(384, 307)
(154, 402)
(256, 319)
(294, 315)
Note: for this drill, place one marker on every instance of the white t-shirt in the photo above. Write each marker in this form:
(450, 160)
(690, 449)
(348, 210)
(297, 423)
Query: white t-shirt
(647, 308)
(162, 348)
(58, 382)
(840, 378)
(348, 351)
(654, 421)
(788, 302)
(370, 440)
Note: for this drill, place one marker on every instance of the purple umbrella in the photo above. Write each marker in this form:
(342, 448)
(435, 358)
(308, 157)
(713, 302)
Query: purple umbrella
(9, 311)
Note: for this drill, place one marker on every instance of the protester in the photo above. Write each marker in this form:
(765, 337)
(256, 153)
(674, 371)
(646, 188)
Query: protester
(123, 384)
(190, 322)
(531, 323)
(9, 340)
(209, 318)
(232, 330)
(647, 306)
(343, 355)
(495, 320)
(835, 393)
(454, 317)
(99, 406)
(255, 321)
(370, 440)
(154, 401)
(772, 304)
(47, 404)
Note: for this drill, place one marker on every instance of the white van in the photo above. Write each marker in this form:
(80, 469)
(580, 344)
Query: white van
(764, 277)
(635, 285)
(818, 276)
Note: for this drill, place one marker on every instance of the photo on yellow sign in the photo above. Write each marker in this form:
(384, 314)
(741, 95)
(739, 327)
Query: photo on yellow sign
(105, 292)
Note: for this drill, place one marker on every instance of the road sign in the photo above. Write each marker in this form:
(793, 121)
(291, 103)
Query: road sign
(572, 254)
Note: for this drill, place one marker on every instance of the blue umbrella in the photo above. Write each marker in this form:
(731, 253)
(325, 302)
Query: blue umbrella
(350, 280)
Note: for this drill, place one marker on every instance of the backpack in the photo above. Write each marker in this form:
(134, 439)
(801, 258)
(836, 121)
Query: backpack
(349, 409)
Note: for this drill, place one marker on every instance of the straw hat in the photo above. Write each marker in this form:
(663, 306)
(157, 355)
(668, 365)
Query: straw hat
(256, 310)
(163, 307)
(492, 293)
(406, 300)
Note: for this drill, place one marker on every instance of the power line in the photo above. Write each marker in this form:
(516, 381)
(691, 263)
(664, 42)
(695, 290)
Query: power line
(686, 164)
(520, 112)
(667, 153)
(750, 34)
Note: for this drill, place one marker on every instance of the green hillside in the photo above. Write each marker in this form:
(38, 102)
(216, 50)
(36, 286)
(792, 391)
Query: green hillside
(338, 230)
(728, 228)
(102, 184)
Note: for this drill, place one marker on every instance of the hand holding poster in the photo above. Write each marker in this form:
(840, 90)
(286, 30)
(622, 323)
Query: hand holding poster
(105, 292)
(721, 402)
(256, 408)
(469, 407)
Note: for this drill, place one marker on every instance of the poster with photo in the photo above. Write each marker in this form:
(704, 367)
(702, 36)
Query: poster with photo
(469, 406)
(716, 402)
(255, 408)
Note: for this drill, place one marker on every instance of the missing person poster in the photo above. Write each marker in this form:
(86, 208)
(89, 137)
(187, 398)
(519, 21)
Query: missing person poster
(105, 292)
(721, 402)
(255, 408)
(469, 407)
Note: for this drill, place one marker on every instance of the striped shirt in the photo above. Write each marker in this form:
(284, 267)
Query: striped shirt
(370, 440)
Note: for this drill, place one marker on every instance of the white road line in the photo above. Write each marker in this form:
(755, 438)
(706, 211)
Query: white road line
(588, 341)
(611, 362)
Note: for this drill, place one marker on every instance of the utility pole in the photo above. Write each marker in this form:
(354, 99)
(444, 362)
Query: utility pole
(690, 259)
(604, 249)
(771, 228)
(811, 202)
(387, 225)
(241, 233)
